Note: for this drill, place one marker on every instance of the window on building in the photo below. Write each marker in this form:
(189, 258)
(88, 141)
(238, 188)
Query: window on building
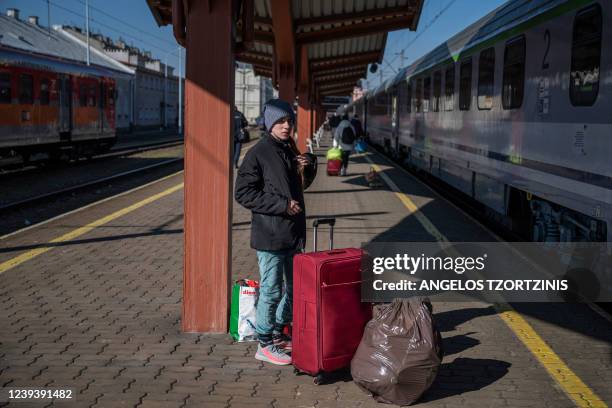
(513, 86)
(426, 93)
(465, 84)
(437, 90)
(449, 88)
(486, 78)
(44, 91)
(418, 100)
(586, 56)
(5, 87)
(26, 89)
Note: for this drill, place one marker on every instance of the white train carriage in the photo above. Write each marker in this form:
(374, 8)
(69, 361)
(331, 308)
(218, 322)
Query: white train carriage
(516, 112)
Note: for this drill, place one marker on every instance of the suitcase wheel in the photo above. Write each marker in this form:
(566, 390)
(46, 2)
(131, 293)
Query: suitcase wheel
(319, 379)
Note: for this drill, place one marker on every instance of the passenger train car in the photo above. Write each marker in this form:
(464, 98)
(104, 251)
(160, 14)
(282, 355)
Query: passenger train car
(516, 112)
(57, 108)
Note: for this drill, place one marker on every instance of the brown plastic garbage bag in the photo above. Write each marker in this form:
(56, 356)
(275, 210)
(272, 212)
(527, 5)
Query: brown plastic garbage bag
(400, 352)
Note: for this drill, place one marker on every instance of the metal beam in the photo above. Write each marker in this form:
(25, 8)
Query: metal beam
(264, 37)
(327, 62)
(325, 87)
(254, 58)
(340, 77)
(338, 92)
(340, 70)
(354, 30)
(370, 14)
(248, 12)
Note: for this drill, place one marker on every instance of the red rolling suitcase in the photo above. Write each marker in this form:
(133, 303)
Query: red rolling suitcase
(328, 316)
(333, 167)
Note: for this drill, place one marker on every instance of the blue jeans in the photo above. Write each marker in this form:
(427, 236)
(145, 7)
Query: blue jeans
(275, 304)
(237, 147)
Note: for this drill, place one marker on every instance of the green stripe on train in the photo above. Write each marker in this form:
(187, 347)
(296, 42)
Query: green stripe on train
(513, 32)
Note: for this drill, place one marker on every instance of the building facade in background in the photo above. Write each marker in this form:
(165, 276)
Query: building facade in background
(252, 92)
(151, 100)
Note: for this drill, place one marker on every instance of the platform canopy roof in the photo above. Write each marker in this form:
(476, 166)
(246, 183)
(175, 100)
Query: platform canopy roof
(327, 44)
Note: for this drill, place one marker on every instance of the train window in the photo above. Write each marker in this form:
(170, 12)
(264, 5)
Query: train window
(91, 98)
(426, 93)
(26, 89)
(586, 57)
(486, 78)
(102, 95)
(5, 87)
(449, 88)
(465, 84)
(83, 95)
(419, 95)
(111, 96)
(409, 98)
(44, 91)
(514, 74)
(437, 90)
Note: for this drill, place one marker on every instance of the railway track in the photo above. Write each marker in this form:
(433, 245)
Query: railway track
(46, 202)
(15, 205)
(18, 169)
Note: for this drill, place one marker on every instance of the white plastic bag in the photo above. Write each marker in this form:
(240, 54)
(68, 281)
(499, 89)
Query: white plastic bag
(245, 293)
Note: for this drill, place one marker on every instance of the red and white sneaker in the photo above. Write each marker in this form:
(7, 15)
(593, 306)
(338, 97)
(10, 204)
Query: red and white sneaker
(272, 354)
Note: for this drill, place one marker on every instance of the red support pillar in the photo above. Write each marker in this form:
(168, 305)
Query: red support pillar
(284, 49)
(320, 116)
(286, 87)
(209, 97)
(304, 120)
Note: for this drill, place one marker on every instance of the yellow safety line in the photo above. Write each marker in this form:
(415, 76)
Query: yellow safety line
(573, 386)
(33, 253)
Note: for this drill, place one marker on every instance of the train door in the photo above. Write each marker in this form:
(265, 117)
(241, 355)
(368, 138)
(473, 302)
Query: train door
(65, 106)
(394, 123)
(102, 107)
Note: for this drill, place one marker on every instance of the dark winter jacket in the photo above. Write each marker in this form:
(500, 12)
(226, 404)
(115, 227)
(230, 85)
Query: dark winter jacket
(267, 179)
(240, 123)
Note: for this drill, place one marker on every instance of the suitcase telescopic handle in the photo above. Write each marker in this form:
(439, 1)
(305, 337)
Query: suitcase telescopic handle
(324, 221)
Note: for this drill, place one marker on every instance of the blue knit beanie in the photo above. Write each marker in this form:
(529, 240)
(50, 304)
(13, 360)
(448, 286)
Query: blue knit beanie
(276, 109)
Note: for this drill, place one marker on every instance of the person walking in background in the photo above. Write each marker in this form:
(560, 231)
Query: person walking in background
(271, 183)
(240, 123)
(357, 126)
(344, 137)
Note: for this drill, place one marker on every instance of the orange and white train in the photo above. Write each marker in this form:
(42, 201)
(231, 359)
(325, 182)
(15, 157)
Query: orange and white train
(57, 108)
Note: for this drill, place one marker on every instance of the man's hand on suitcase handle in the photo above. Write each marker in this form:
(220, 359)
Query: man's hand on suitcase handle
(293, 208)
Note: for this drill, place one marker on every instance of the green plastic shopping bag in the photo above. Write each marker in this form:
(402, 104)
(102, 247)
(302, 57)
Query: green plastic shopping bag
(334, 154)
(245, 293)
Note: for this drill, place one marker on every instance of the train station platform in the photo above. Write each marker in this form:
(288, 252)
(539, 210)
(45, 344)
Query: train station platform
(92, 301)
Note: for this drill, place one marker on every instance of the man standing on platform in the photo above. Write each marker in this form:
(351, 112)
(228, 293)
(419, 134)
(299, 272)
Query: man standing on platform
(240, 123)
(271, 183)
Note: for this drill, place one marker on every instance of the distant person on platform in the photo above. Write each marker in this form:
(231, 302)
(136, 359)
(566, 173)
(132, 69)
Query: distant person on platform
(240, 124)
(271, 183)
(344, 138)
(357, 126)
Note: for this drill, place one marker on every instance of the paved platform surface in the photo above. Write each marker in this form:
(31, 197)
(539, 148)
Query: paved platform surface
(100, 312)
